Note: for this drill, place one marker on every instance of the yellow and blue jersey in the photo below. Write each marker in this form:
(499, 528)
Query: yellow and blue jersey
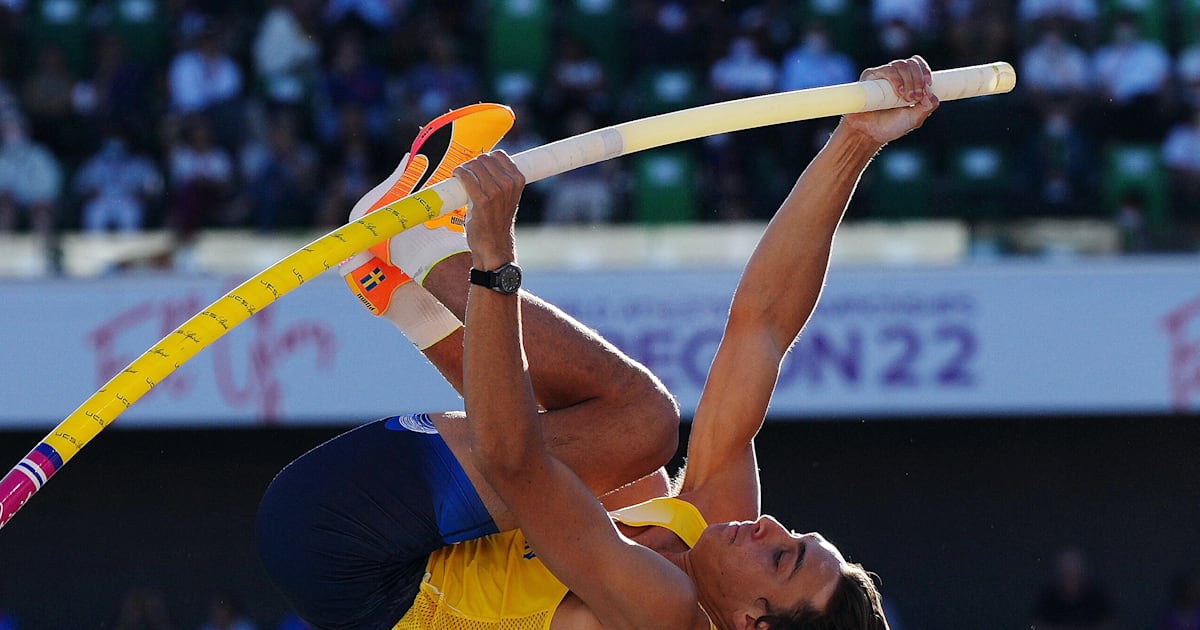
(498, 582)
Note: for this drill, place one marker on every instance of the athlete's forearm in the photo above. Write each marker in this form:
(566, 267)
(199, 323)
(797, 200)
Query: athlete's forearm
(774, 299)
(786, 272)
(501, 409)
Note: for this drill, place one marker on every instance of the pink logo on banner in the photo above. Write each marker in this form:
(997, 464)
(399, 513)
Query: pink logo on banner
(1183, 334)
(257, 356)
(262, 388)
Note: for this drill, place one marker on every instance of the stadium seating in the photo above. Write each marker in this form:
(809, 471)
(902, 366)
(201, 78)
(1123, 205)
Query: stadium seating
(1134, 172)
(662, 90)
(600, 26)
(142, 27)
(518, 42)
(1152, 16)
(978, 176)
(664, 186)
(901, 183)
(842, 17)
(64, 24)
(1189, 22)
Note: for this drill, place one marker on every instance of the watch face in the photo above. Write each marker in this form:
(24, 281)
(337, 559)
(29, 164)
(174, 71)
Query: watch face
(508, 279)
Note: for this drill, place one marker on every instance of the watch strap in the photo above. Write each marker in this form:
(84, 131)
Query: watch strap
(483, 278)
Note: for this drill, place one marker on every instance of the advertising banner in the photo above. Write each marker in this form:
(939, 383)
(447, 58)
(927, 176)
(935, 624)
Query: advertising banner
(1085, 337)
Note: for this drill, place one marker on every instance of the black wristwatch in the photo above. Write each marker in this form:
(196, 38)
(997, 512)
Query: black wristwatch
(506, 279)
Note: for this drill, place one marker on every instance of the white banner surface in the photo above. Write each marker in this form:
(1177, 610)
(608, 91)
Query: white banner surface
(1006, 338)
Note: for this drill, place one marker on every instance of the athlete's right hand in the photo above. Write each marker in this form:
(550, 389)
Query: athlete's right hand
(494, 185)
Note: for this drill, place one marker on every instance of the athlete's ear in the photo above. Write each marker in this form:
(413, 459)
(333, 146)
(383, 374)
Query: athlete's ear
(748, 619)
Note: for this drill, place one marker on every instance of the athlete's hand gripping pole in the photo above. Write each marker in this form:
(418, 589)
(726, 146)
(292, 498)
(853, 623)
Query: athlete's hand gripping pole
(178, 347)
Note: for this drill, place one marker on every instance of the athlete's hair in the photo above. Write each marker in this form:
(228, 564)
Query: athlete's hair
(855, 605)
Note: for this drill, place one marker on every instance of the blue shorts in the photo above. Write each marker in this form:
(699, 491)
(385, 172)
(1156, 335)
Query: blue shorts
(345, 530)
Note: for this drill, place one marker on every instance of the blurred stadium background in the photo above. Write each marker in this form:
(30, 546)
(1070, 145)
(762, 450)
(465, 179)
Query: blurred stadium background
(1002, 382)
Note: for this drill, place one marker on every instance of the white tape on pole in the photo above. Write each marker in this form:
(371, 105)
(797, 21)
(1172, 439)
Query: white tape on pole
(729, 116)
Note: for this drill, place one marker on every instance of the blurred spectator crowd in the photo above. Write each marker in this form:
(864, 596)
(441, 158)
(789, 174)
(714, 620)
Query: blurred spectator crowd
(277, 114)
(1075, 599)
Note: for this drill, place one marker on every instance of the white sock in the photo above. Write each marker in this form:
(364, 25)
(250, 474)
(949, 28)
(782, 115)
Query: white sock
(417, 249)
(420, 316)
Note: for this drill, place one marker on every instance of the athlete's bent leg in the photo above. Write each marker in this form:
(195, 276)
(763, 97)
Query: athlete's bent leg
(607, 416)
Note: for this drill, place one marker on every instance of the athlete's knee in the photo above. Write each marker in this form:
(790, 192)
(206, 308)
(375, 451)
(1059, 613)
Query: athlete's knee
(665, 430)
(655, 417)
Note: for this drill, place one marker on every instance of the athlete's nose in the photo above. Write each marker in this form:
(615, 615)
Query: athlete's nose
(764, 526)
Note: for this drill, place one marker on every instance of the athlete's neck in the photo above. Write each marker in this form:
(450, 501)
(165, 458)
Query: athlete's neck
(683, 560)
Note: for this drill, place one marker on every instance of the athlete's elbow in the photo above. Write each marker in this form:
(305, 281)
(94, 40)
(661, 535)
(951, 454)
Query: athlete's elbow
(507, 469)
(499, 473)
(505, 455)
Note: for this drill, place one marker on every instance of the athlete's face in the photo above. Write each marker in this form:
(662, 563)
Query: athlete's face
(754, 566)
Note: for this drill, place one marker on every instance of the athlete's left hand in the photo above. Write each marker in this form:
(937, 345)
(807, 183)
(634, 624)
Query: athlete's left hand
(912, 80)
(494, 184)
